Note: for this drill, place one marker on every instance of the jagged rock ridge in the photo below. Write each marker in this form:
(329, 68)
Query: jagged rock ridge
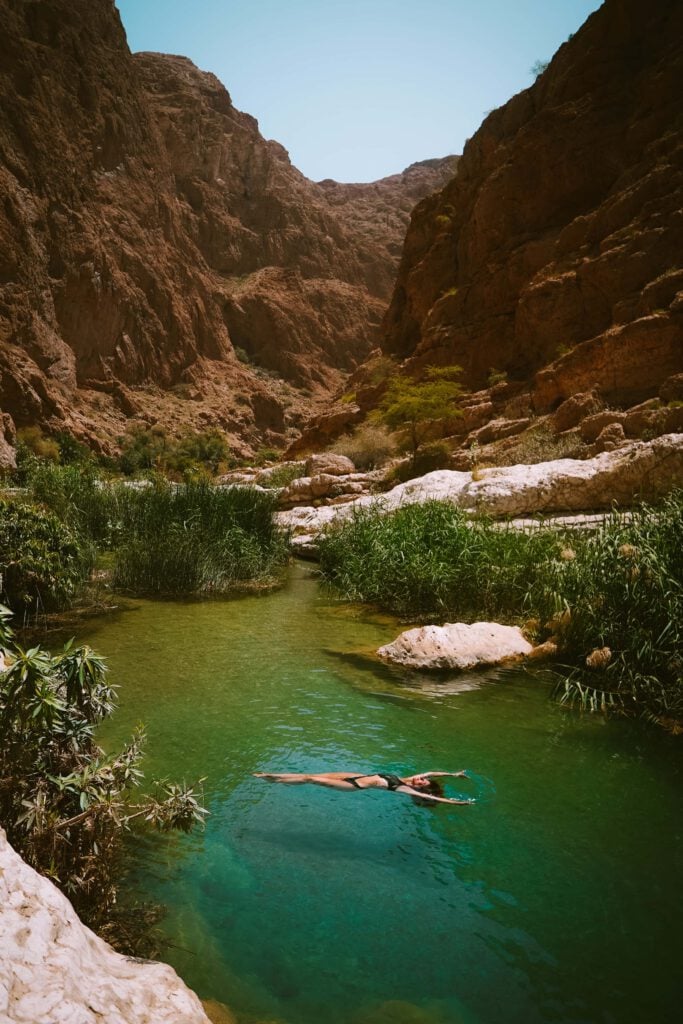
(554, 255)
(147, 230)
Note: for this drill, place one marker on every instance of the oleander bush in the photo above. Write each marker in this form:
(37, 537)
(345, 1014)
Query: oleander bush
(64, 803)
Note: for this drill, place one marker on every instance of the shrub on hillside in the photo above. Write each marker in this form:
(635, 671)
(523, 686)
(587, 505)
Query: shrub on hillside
(369, 447)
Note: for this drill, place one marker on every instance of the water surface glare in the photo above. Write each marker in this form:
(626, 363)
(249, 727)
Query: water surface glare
(554, 898)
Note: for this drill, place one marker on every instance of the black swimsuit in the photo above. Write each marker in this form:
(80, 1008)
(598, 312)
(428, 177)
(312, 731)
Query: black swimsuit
(392, 781)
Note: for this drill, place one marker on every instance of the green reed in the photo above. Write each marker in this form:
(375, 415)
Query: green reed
(619, 605)
(167, 538)
(431, 560)
(612, 597)
(197, 538)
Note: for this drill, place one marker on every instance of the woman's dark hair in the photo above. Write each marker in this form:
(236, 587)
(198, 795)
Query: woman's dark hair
(435, 788)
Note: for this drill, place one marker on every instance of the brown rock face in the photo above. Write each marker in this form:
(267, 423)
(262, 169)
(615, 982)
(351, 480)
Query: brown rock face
(555, 252)
(147, 230)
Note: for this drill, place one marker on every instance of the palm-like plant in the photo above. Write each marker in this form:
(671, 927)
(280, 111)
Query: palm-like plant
(65, 803)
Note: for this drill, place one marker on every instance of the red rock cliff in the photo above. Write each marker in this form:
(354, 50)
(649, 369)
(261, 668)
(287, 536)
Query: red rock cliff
(147, 230)
(558, 245)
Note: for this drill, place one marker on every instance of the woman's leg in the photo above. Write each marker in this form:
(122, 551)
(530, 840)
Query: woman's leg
(290, 778)
(334, 780)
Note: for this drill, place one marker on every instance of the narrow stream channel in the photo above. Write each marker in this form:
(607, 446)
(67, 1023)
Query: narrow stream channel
(555, 898)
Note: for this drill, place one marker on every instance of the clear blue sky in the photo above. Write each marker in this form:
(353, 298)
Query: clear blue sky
(359, 89)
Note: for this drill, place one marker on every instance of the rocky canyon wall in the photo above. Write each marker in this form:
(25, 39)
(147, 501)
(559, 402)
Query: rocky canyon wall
(554, 256)
(148, 231)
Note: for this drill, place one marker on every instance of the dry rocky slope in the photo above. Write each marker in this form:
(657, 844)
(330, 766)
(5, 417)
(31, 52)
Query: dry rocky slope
(147, 230)
(555, 254)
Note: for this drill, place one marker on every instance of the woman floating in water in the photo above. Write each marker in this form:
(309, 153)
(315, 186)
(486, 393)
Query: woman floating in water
(414, 785)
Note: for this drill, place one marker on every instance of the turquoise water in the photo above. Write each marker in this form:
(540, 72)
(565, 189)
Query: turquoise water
(554, 898)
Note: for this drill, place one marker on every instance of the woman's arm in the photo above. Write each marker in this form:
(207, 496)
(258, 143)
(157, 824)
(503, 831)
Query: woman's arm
(435, 775)
(429, 796)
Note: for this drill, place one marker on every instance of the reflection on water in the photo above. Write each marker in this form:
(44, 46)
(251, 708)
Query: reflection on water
(552, 899)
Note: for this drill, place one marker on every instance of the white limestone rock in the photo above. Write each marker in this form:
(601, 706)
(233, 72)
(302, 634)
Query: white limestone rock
(54, 970)
(639, 469)
(457, 646)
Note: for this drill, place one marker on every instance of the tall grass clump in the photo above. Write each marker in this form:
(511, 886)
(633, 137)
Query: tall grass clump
(617, 603)
(166, 538)
(197, 539)
(431, 560)
(78, 496)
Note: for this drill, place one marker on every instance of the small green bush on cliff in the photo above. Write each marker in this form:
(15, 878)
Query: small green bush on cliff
(144, 450)
(419, 410)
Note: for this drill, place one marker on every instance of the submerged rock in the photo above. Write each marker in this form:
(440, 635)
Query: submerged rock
(54, 970)
(457, 646)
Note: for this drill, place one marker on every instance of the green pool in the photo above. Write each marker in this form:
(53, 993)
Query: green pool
(555, 898)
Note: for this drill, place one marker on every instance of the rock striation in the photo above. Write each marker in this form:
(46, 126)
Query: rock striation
(54, 970)
(457, 646)
(160, 260)
(554, 254)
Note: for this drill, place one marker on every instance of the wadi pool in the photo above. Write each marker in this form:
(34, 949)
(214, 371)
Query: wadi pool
(556, 897)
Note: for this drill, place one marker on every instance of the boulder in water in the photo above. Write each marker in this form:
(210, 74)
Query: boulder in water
(457, 646)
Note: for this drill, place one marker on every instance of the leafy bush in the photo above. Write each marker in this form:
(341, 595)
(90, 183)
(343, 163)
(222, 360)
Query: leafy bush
(72, 451)
(147, 449)
(418, 410)
(436, 455)
(63, 802)
(33, 440)
(42, 563)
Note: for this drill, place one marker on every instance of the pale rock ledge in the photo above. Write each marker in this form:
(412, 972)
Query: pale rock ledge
(637, 470)
(54, 970)
(457, 646)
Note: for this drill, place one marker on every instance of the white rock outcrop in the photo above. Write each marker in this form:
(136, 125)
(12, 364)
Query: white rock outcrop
(639, 469)
(54, 970)
(457, 646)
